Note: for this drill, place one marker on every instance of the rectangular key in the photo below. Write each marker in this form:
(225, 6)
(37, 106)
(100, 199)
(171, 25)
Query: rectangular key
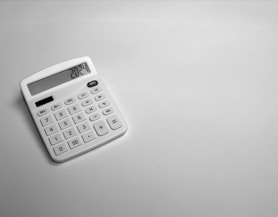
(89, 136)
(83, 127)
(114, 122)
(51, 129)
(60, 114)
(65, 123)
(47, 120)
(60, 149)
(74, 142)
(101, 128)
(70, 133)
(57, 138)
(78, 118)
(74, 109)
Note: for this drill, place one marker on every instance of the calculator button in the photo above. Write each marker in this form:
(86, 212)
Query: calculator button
(90, 109)
(42, 112)
(60, 149)
(70, 101)
(95, 90)
(83, 127)
(65, 124)
(104, 104)
(107, 111)
(55, 139)
(92, 83)
(51, 129)
(78, 118)
(101, 128)
(56, 106)
(83, 95)
(94, 117)
(87, 102)
(47, 120)
(74, 109)
(70, 133)
(99, 97)
(89, 136)
(60, 114)
(75, 142)
(114, 122)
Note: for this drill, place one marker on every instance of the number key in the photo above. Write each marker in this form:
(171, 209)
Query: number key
(55, 139)
(47, 120)
(51, 129)
(60, 149)
(78, 118)
(70, 133)
(83, 127)
(74, 109)
(65, 124)
(75, 142)
(60, 114)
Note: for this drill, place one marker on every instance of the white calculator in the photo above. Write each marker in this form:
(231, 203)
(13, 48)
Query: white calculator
(72, 108)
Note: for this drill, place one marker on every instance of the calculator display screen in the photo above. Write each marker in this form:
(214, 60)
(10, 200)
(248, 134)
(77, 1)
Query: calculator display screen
(58, 78)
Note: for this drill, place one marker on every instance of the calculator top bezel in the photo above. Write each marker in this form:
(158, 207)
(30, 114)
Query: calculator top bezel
(53, 70)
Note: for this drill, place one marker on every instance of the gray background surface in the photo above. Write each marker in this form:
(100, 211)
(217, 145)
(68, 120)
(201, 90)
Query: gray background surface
(197, 83)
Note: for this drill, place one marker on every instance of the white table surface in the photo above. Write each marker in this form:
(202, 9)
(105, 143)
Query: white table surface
(198, 84)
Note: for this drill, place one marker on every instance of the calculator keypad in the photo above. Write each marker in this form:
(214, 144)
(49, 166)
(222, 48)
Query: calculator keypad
(78, 120)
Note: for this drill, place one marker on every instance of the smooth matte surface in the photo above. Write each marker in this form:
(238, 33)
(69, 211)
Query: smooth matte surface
(197, 83)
